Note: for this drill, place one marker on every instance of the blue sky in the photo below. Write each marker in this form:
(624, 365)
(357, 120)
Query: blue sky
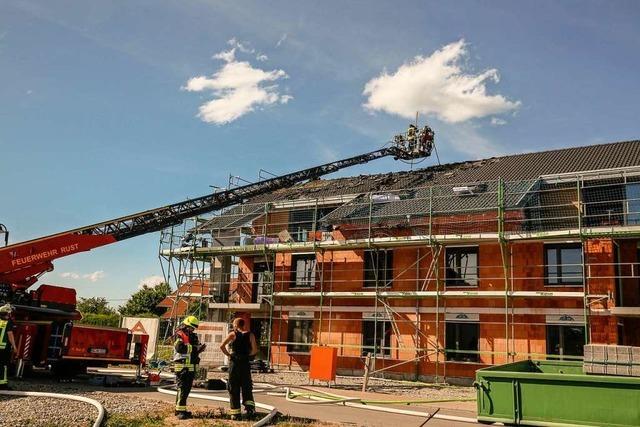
(108, 108)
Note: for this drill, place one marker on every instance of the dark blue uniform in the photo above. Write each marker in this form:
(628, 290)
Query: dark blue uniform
(240, 374)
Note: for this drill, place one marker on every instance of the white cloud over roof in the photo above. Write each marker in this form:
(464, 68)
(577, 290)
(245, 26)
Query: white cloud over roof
(437, 85)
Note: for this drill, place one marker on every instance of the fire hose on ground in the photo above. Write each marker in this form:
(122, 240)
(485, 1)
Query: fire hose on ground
(98, 405)
(273, 411)
(321, 397)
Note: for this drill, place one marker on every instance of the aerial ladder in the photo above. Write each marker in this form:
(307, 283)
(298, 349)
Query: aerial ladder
(22, 264)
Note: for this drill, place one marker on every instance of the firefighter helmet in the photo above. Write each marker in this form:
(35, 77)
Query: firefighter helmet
(191, 321)
(6, 309)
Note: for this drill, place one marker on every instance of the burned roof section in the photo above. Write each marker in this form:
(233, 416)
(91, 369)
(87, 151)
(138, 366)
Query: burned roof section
(520, 172)
(508, 168)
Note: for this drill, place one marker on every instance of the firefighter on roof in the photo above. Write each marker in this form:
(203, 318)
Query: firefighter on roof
(243, 348)
(186, 359)
(7, 343)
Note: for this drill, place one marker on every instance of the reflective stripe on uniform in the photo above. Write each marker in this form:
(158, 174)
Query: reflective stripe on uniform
(180, 366)
(234, 411)
(181, 408)
(249, 403)
(3, 379)
(3, 331)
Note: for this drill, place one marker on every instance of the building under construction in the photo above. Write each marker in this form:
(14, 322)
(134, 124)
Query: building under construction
(435, 272)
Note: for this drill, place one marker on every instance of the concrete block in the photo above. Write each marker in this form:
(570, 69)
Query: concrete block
(618, 354)
(623, 370)
(588, 353)
(598, 353)
(635, 354)
(598, 368)
(611, 369)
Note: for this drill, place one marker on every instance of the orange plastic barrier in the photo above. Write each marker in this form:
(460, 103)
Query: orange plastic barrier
(324, 361)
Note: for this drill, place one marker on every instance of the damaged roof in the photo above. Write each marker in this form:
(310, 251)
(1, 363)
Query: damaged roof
(508, 168)
(523, 170)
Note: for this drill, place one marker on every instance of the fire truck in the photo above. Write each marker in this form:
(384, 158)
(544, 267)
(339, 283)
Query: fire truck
(48, 334)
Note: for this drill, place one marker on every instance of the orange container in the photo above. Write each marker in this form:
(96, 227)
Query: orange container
(324, 361)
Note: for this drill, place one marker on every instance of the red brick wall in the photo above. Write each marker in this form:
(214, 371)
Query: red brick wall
(343, 271)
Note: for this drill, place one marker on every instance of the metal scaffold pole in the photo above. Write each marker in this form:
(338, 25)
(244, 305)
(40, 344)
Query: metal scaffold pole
(504, 250)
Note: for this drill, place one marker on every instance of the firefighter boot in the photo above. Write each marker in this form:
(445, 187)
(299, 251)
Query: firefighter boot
(251, 412)
(183, 415)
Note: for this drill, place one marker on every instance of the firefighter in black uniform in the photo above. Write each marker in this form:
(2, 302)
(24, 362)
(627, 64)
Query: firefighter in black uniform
(243, 348)
(7, 344)
(186, 359)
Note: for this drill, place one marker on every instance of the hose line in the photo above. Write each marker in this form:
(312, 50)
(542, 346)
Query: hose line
(273, 411)
(324, 397)
(98, 405)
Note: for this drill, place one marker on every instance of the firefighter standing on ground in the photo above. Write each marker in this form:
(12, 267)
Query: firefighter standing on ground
(7, 344)
(186, 359)
(243, 348)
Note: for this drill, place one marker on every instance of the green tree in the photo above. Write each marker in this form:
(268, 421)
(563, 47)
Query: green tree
(144, 301)
(94, 305)
(198, 307)
(112, 320)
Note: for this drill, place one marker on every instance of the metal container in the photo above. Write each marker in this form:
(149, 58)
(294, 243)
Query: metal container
(555, 393)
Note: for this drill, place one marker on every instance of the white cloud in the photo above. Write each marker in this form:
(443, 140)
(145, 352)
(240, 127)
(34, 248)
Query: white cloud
(238, 87)
(262, 57)
(495, 121)
(226, 55)
(241, 46)
(282, 39)
(150, 281)
(92, 277)
(437, 85)
(95, 276)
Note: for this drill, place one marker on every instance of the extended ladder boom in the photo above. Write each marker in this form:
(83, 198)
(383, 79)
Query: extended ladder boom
(22, 263)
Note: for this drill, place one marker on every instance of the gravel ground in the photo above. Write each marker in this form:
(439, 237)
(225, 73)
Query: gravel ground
(405, 389)
(32, 411)
(49, 412)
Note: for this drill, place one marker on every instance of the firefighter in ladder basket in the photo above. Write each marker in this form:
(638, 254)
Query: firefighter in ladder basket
(7, 344)
(425, 140)
(412, 135)
(243, 348)
(186, 359)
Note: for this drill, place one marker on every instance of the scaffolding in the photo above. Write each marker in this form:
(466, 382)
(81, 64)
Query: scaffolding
(387, 272)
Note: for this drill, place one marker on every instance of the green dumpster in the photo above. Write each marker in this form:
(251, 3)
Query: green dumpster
(555, 393)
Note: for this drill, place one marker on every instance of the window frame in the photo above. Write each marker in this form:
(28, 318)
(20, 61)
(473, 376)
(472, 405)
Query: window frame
(559, 275)
(385, 349)
(305, 347)
(374, 268)
(310, 274)
(561, 341)
(453, 357)
(461, 282)
(632, 216)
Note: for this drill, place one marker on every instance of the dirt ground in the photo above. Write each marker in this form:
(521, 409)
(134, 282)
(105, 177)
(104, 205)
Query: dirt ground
(127, 407)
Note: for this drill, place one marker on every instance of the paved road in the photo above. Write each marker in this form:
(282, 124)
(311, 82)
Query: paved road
(339, 414)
